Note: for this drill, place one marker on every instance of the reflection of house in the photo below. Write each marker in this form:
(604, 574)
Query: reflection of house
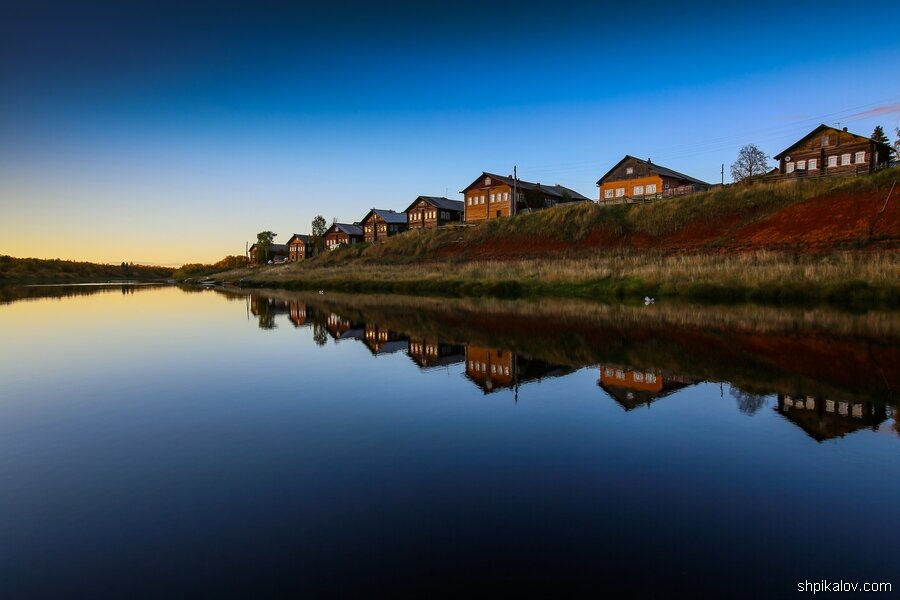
(829, 151)
(431, 353)
(492, 369)
(342, 234)
(823, 419)
(631, 388)
(636, 179)
(299, 247)
(299, 313)
(266, 309)
(380, 223)
(428, 212)
(490, 197)
(342, 329)
(383, 341)
(276, 253)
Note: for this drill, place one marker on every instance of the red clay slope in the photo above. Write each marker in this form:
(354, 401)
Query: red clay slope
(831, 221)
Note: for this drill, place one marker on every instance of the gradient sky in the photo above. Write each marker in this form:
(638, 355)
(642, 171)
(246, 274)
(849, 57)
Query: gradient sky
(172, 132)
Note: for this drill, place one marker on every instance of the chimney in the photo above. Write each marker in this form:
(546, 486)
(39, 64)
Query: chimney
(649, 161)
(845, 129)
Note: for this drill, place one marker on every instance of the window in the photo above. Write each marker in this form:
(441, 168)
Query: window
(629, 170)
(469, 200)
(845, 159)
(813, 164)
(651, 188)
(608, 193)
(638, 190)
(860, 157)
(832, 161)
(620, 192)
(505, 196)
(789, 167)
(492, 197)
(801, 165)
(482, 199)
(487, 181)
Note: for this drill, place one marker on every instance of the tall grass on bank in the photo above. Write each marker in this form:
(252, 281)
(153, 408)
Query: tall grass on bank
(770, 277)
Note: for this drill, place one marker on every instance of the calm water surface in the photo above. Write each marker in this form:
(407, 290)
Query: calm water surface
(158, 441)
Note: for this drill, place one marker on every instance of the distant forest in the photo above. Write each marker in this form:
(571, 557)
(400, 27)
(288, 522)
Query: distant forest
(37, 270)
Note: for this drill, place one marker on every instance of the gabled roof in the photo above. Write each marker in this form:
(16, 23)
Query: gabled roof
(557, 191)
(439, 202)
(820, 129)
(346, 228)
(299, 236)
(274, 247)
(388, 216)
(658, 169)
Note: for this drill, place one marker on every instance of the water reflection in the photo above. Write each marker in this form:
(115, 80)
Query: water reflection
(632, 388)
(276, 443)
(639, 363)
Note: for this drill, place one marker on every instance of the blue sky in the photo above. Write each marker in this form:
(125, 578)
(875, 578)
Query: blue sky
(171, 133)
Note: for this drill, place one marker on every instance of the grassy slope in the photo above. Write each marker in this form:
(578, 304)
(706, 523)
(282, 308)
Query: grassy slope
(792, 241)
(36, 270)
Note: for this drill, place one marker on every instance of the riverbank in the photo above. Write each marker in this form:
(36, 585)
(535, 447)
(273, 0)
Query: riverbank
(842, 278)
(24, 271)
(817, 241)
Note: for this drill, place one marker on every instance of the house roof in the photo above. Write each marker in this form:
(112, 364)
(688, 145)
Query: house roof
(439, 202)
(274, 247)
(388, 216)
(299, 236)
(658, 169)
(347, 228)
(820, 129)
(557, 191)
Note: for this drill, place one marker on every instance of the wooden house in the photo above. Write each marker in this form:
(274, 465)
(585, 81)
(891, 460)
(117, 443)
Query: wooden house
(493, 369)
(342, 329)
(299, 247)
(828, 151)
(431, 353)
(379, 224)
(824, 418)
(300, 314)
(429, 212)
(277, 253)
(632, 388)
(633, 179)
(343, 233)
(381, 340)
(491, 197)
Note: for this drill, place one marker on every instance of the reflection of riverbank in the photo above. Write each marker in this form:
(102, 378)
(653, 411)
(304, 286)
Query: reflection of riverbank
(839, 355)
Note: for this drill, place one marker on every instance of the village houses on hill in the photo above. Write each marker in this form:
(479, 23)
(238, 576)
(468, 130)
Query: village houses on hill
(824, 152)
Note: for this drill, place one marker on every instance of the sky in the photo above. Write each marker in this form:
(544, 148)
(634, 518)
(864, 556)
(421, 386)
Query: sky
(165, 133)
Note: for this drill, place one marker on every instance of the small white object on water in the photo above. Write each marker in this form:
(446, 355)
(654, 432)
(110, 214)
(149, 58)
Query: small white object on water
(648, 300)
(321, 291)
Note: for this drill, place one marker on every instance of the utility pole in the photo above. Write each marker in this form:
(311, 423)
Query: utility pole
(723, 173)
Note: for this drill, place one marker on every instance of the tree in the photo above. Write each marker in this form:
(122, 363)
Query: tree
(750, 161)
(878, 135)
(748, 402)
(264, 241)
(897, 142)
(319, 227)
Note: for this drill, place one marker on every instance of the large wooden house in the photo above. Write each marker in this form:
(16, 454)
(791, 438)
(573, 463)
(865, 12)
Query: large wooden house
(828, 151)
(633, 179)
(492, 196)
(429, 212)
(299, 247)
(379, 224)
(632, 388)
(343, 234)
(823, 418)
(277, 253)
